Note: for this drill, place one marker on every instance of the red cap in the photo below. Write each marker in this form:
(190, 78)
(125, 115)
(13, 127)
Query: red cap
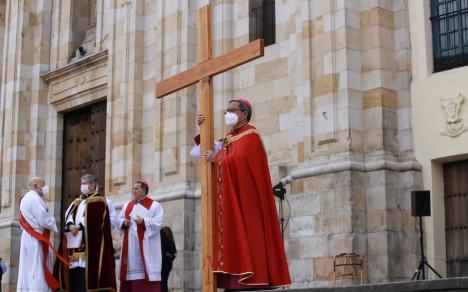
(245, 101)
(143, 182)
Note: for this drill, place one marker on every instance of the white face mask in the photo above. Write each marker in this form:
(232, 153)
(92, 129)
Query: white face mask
(231, 119)
(84, 189)
(45, 190)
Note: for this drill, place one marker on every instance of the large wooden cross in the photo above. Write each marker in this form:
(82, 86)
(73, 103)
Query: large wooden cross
(203, 73)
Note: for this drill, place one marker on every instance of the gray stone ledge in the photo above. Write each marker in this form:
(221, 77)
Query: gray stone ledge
(353, 164)
(118, 202)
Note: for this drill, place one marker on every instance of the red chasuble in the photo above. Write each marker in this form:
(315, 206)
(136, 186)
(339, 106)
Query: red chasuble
(248, 247)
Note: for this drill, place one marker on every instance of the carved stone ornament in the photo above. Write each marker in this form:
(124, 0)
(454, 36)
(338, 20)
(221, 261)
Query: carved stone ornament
(454, 125)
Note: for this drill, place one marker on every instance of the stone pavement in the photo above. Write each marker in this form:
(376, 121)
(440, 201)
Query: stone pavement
(442, 285)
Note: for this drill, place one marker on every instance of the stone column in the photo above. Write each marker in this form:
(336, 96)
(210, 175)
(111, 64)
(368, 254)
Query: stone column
(386, 120)
(168, 128)
(125, 96)
(223, 22)
(24, 110)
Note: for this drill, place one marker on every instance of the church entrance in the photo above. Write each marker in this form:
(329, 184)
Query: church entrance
(84, 149)
(456, 217)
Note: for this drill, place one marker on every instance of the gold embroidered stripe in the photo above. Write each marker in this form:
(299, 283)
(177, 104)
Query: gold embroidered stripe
(230, 139)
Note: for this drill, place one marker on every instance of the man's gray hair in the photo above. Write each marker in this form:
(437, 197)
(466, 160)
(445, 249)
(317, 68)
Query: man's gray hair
(90, 178)
(34, 181)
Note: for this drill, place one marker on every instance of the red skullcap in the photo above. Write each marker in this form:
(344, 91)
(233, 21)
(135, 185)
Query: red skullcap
(245, 101)
(143, 182)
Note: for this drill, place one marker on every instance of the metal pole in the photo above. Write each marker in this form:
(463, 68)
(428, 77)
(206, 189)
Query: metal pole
(421, 243)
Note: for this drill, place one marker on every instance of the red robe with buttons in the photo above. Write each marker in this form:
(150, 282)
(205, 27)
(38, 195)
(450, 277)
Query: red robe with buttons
(248, 247)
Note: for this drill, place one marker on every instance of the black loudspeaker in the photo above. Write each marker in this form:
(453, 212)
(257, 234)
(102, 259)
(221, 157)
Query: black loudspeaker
(420, 203)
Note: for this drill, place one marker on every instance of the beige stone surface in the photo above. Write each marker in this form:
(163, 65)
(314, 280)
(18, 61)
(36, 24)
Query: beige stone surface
(332, 99)
(428, 120)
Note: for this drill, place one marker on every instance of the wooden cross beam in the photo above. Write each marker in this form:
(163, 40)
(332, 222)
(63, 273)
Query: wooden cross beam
(203, 73)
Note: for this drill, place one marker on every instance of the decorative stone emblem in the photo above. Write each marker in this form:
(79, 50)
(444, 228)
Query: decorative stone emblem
(454, 125)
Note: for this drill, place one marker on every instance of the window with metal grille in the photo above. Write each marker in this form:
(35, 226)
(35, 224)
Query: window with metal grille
(449, 33)
(262, 23)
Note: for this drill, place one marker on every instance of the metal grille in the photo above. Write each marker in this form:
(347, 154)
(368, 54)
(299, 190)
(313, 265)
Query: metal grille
(449, 33)
(262, 21)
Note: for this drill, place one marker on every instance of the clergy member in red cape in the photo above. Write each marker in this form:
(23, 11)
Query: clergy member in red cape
(248, 247)
(35, 262)
(140, 221)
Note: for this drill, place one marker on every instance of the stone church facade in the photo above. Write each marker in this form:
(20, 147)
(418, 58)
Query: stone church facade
(332, 97)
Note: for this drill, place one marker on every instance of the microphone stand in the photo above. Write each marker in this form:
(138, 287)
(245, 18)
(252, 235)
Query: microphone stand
(279, 191)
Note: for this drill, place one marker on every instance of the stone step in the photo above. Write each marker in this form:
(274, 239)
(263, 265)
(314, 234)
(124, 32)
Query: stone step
(440, 285)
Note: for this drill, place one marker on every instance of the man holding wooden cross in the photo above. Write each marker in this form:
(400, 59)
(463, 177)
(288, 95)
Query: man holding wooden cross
(248, 248)
(257, 274)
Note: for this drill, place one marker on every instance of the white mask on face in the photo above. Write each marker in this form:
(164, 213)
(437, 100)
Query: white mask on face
(84, 189)
(231, 119)
(45, 190)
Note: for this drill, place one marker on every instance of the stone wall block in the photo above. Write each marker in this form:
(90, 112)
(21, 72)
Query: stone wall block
(292, 247)
(376, 221)
(325, 84)
(376, 17)
(327, 202)
(305, 204)
(319, 183)
(340, 243)
(394, 219)
(342, 179)
(376, 198)
(313, 247)
(301, 227)
(377, 243)
(343, 199)
(323, 268)
(378, 267)
(359, 221)
(301, 271)
(358, 199)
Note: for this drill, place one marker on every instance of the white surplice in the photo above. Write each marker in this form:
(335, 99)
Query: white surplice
(31, 269)
(153, 220)
(195, 151)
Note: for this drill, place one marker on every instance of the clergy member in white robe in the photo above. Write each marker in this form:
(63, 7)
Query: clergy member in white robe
(31, 274)
(141, 220)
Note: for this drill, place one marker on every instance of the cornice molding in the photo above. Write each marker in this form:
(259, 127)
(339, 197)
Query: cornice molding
(353, 164)
(76, 66)
(9, 224)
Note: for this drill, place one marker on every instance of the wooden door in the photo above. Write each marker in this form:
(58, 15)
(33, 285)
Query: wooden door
(84, 149)
(456, 217)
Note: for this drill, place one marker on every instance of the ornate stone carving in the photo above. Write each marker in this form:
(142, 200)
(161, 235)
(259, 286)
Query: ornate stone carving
(454, 125)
